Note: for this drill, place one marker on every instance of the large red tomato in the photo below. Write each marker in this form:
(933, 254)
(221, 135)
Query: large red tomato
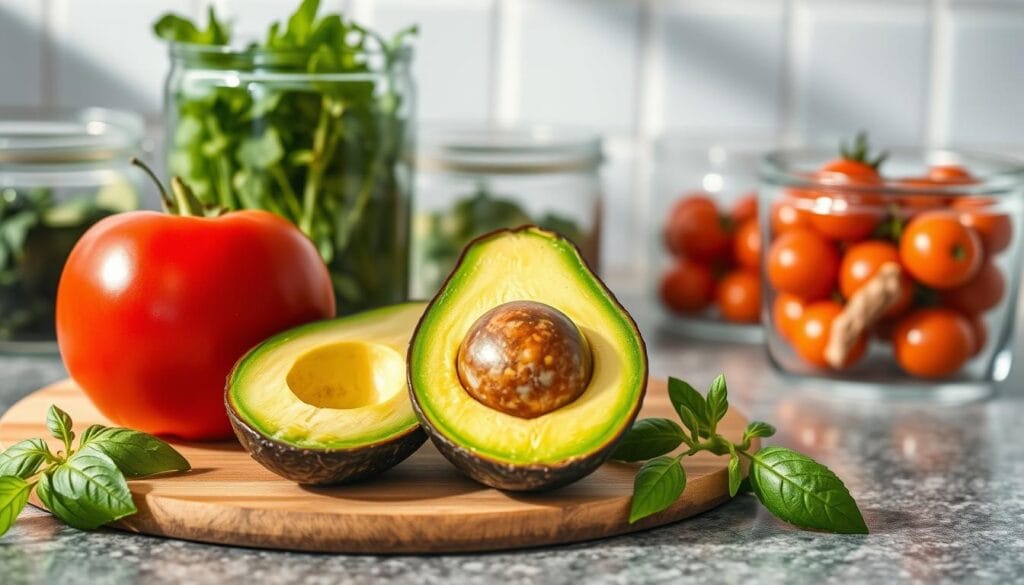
(154, 309)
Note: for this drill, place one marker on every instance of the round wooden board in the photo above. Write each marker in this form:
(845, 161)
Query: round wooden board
(424, 505)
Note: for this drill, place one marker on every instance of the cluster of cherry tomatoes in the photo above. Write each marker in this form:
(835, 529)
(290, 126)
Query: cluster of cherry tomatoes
(829, 240)
(716, 259)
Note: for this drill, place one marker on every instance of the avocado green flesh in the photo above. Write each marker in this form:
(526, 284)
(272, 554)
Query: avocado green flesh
(330, 385)
(527, 264)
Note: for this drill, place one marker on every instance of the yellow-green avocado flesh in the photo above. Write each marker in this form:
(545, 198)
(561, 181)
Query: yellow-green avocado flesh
(499, 449)
(327, 402)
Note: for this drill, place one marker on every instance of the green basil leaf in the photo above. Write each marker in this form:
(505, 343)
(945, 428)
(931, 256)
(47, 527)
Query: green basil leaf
(657, 485)
(803, 492)
(718, 401)
(23, 459)
(89, 434)
(13, 497)
(172, 27)
(685, 396)
(758, 429)
(735, 474)
(59, 423)
(135, 453)
(87, 491)
(261, 152)
(648, 438)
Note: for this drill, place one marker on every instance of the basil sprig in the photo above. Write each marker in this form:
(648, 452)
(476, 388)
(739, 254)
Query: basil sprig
(84, 487)
(792, 486)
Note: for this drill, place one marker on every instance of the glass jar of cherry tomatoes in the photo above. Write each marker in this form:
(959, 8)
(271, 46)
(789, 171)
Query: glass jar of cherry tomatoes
(707, 250)
(897, 272)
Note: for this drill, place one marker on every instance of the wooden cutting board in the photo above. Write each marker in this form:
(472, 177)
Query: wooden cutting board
(424, 505)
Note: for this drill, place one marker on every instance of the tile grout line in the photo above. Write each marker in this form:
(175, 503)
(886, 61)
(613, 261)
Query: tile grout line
(789, 101)
(506, 62)
(937, 96)
(647, 123)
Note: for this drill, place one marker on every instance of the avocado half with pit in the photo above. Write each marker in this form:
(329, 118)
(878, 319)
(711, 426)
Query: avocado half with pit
(327, 402)
(525, 371)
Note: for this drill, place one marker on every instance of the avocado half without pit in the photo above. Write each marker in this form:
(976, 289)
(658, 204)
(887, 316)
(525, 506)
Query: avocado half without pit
(327, 403)
(524, 370)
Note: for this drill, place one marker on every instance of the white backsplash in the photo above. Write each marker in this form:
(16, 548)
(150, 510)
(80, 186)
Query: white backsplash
(935, 71)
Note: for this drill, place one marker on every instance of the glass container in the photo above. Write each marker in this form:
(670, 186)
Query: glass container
(60, 172)
(704, 249)
(325, 145)
(473, 181)
(900, 284)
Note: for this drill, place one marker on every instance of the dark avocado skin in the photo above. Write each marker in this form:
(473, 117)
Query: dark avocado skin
(520, 478)
(512, 477)
(324, 466)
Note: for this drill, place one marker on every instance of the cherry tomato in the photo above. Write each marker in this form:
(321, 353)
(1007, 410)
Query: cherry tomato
(846, 217)
(696, 230)
(982, 293)
(933, 342)
(862, 261)
(786, 312)
(747, 245)
(787, 216)
(739, 297)
(911, 205)
(994, 228)
(810, 336)
(745, 208)
(939, 251)
(803, 263)
(980, 333)
(688, 287)
(154, 309)
(950, 175)
(848, 171)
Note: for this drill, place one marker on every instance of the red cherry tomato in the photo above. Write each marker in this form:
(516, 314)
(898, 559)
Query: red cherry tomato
(787, 216)
(747, 245)
(688, 287)
(803, 263)
(786, 312)
(950, 175)
(980, 214)
(939, 251)
(153, 310)
(982, 293)
(810, 336)
(933, 342)
(745, 208)
(862, 261)
(696, 230)
(739, 297)
(844, 215)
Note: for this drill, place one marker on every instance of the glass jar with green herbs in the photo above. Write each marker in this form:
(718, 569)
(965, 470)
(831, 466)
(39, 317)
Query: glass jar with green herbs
(470, 181)
(312, 123)
(60, 172)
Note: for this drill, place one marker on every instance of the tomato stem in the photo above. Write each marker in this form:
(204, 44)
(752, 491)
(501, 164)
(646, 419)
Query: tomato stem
(165, 199)
(183, 197)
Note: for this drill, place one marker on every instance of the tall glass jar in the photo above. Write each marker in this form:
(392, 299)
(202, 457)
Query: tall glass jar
(470, 181)
(60, 172)
(897, 281)
(264, 129)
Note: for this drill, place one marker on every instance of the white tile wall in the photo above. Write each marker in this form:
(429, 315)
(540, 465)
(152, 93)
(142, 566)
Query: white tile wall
(862, 65)
(944, 71)
(21, 53)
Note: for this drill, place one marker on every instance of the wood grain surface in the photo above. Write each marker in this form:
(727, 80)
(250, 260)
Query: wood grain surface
(424, 505)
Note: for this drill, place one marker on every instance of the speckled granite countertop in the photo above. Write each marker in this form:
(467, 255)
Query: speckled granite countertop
(942, 489)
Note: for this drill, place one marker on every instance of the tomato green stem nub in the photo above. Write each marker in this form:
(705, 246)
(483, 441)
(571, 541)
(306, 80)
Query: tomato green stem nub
(165, 199)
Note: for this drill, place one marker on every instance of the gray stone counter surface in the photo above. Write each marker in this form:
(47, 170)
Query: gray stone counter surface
(941, 487)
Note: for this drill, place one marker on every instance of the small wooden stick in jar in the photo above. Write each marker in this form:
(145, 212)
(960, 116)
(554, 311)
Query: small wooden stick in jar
(863, 309)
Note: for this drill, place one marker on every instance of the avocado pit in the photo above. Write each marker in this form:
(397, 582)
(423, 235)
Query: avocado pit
(524, 358)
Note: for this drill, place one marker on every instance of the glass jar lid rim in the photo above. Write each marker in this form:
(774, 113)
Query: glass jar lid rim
(54, 136)
(250, 47)
(777, 166)
(509, 149)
